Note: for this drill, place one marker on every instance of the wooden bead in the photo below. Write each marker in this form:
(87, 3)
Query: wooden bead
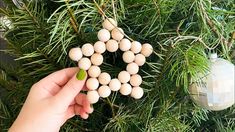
(124, 77)
(128, 56)
(136, 80)
(125, 89)
(132, 68)
(103, 35)
(94, 71)
(87, 49)
(97, 59)
(93, 96)
(117, 34)
(92, 83)
(99, 47)
(104, 78)
(104, 91)
(84, 63)
(137, 92)
(112, 45)
(147, 50)
(109, 24)
(136, 47)
(140, 59)
(125, 44)
(115, 84)
(75, 54)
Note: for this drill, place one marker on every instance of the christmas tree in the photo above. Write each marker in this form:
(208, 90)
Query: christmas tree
(182, 32)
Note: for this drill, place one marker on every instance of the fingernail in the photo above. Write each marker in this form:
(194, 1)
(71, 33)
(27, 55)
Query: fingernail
(81, 75)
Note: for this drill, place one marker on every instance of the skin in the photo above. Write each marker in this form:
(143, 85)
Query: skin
(51, 102)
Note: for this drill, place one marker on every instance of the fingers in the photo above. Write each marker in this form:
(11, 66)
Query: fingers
(81, 100)
(60, 77)
(70, 112)
(80, 111)
(67, 94)
(53, 82)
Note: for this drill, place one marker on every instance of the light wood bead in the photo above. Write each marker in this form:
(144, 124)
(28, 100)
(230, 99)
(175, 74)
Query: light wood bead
(115, 84)
(104, 78)
(124, 77)
(99, 47)
(128, 56)
(136, 47)
(109, 24)
(117, 34)
(125, 89)
(93, 97)
(135, 80)
(92, 83)
(137, 92)
(132, 68)
(125, 44)
(75, 54)
(104, 91)
(112, 45)
(147, 49)
(97, 59)
(94, 71)
(140, 59)
(84, 63)
(103, 35)
(87, 49)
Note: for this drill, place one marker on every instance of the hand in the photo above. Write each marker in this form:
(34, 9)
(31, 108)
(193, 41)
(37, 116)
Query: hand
(52, 101)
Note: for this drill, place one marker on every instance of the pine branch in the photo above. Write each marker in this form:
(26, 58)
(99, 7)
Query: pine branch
(179, 32)
(35, 21)
(212, 25)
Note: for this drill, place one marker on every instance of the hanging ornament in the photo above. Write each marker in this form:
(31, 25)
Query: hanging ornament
(89, 57)
(216, 90)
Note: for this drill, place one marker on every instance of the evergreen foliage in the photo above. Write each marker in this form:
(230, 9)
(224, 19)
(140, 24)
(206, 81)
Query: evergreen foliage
(182, 32)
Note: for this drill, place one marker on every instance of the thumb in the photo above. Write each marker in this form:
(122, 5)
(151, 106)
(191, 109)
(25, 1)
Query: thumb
(71, 89)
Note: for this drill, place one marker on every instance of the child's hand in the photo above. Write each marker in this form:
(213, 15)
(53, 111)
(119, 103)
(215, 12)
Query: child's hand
(52, 101)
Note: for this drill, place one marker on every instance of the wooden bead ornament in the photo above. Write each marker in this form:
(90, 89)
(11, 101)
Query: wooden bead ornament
(94, 71)
(104, 78)
(97, 59)
(132, 68)
(104, 91)
(103, 35)
(112, 45)
(124, 77)
(99, 47)
(125, 89)
(135, 80)
(136, 47)
(140, 59)
(109, 24)
(100, 84)
(93, 96)
(137, 92)
(75, 54)
(147, 49)
(92, 83)
(128, 56)
(125, 44)
(87, 49)
(117, 34)
(115, 84)
(84, 63)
